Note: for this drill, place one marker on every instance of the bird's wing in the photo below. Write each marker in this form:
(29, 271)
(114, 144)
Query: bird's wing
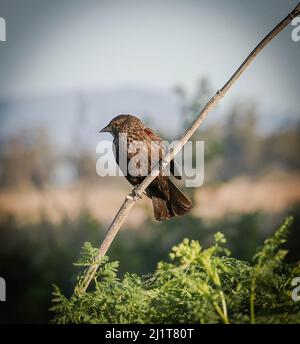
(152, 135)
(174, 168)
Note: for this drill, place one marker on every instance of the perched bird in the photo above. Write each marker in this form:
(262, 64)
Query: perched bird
(167, 199)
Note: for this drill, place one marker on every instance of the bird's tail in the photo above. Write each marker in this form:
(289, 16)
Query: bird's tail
(178, 204)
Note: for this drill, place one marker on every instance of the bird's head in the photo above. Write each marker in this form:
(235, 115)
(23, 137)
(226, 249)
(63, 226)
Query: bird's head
(120, 124)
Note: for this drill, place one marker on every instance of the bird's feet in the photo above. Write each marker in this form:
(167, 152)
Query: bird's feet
(134, 196)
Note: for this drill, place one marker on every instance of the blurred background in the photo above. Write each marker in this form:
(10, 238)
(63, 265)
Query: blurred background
(68, 67)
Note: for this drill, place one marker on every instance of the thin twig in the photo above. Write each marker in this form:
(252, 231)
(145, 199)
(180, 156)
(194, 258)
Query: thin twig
(138, 191)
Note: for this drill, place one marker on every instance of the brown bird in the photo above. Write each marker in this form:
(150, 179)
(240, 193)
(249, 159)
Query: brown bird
(167, 199)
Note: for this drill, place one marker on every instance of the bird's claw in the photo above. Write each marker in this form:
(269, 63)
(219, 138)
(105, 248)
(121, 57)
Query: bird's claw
(134, 196)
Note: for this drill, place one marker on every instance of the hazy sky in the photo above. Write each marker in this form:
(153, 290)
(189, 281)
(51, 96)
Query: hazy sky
(65, 45)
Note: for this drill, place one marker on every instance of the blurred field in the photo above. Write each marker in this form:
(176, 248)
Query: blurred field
(271, 193)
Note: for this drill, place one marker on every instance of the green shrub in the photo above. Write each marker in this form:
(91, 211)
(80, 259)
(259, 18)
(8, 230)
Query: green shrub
(196, 286)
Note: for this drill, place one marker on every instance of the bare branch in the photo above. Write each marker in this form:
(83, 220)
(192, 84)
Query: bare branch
(138, 191)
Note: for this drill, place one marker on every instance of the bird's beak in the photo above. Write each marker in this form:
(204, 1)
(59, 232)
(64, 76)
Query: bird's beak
(105, 130)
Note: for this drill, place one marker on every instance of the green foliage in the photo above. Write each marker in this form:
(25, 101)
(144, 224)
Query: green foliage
(196, 285)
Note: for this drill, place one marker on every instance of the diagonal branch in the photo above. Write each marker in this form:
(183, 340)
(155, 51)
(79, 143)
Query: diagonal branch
(138, 191)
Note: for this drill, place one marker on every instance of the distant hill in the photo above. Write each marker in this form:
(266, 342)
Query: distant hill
(82, 114)
(79, 115)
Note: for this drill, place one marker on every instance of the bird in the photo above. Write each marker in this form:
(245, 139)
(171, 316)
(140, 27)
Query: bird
(167, 199)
